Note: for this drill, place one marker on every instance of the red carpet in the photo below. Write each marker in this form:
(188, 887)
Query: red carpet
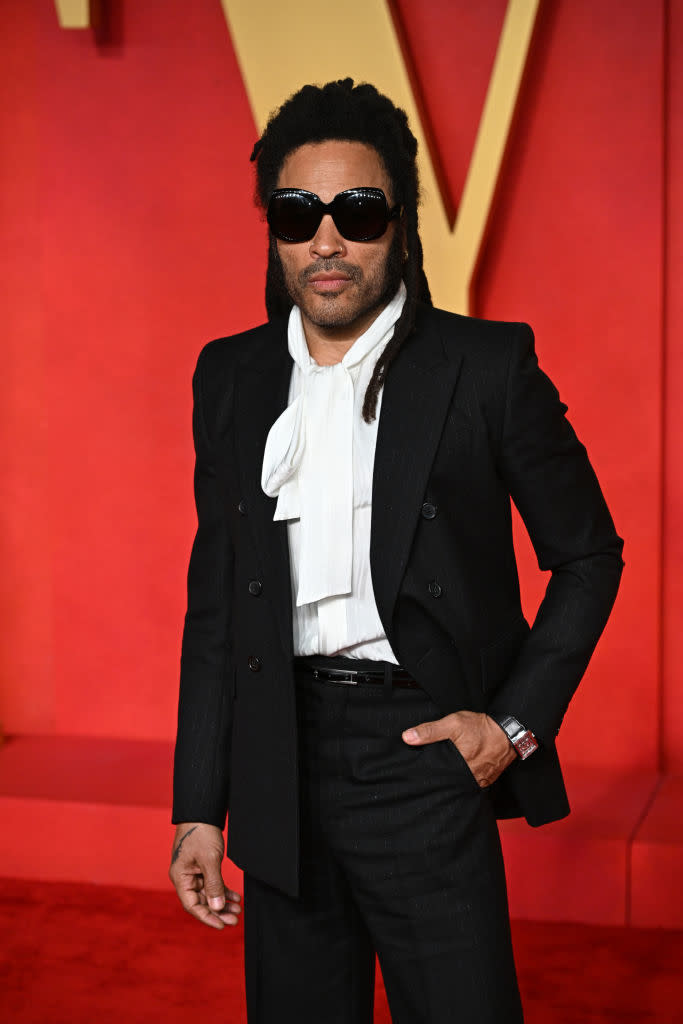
(84, 954)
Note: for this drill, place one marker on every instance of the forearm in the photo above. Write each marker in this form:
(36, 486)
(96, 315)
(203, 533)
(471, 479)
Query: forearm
(201, 783)
(556, 653)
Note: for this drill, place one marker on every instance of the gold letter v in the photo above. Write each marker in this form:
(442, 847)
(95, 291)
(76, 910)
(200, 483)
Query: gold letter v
(282, 46)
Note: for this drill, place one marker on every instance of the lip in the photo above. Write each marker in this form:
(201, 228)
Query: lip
(328, 282)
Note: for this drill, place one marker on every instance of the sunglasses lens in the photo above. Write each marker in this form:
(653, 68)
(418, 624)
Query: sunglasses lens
(361, 216)
(294, 217)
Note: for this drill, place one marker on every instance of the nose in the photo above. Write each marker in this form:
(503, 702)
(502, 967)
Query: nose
(327, 241)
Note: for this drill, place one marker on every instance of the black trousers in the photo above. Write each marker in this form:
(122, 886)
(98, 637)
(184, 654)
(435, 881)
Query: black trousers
(400, 856)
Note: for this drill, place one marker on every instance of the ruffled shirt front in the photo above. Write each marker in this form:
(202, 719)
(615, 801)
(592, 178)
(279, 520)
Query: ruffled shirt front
(318, 462)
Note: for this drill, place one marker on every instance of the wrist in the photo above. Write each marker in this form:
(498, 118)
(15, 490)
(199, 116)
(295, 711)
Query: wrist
(522, 740)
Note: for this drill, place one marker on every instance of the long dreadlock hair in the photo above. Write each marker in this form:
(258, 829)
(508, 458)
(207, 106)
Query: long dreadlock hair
(354, 113)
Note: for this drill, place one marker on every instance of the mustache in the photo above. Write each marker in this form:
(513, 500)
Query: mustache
(351, 271)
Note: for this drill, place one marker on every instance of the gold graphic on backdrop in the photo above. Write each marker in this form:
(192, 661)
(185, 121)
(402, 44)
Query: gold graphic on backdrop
(73, 13)
(281, 47)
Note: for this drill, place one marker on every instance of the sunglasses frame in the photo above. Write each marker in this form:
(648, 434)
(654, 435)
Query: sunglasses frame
(329, 208)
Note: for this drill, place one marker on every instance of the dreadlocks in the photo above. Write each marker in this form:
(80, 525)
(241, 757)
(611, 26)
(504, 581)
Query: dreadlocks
(352, 113)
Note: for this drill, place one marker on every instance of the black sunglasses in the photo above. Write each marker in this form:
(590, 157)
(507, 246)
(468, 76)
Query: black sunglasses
(360, 214)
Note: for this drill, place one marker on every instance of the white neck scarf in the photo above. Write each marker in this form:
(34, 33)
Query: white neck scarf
(308, 458)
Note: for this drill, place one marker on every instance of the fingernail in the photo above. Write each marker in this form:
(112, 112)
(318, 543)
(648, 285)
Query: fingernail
(216, 903)
(410, 735)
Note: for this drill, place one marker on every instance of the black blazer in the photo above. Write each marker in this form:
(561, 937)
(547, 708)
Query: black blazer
(468, 421)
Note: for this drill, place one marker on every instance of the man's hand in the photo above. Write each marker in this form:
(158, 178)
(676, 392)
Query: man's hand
(196, 873)
(480, 740)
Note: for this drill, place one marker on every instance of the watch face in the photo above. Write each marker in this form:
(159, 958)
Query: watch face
(525, 744)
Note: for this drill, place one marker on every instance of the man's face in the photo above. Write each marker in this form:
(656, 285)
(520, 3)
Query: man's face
(339, 285)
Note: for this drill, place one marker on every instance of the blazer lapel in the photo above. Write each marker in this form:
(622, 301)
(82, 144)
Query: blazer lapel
(261, 394)
(417, 394)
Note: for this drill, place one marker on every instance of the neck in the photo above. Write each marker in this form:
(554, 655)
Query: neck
(329, 345)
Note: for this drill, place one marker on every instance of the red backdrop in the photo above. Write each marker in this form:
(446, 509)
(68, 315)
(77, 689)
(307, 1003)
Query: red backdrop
(130, 239)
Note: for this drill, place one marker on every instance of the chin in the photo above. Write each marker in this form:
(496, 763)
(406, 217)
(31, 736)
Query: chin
(332, 318)
(331, 312)
(334, 312)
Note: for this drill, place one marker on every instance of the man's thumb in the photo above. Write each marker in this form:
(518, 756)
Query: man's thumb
(426, 732)
(431, 732)
(214, 890)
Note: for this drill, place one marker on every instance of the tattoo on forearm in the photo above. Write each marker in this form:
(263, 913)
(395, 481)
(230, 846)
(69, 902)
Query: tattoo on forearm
(176, 852)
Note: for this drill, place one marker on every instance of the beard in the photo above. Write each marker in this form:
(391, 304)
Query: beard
(372, 290)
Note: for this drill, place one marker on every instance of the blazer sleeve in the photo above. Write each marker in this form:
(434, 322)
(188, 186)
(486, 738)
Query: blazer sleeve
(202, 750)
(554, 487)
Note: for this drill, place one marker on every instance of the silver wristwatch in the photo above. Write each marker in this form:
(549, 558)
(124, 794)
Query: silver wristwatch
(523, 740)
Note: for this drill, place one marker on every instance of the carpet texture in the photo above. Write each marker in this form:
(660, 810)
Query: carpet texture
(89, 954)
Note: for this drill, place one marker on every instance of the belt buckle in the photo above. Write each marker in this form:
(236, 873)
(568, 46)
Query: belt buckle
(338, 675)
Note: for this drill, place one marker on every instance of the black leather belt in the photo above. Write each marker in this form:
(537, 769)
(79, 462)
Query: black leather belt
(352, 677)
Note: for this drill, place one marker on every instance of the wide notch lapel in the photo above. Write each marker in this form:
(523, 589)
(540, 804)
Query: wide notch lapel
(416, 398)
(261, 395)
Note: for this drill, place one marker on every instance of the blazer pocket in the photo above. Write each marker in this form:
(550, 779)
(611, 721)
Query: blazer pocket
(498, 657)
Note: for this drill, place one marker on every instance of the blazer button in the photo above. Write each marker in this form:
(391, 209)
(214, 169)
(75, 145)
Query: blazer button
(254, 663)
(255, 587)
(435, 589)
(242, 507)
(428, 510)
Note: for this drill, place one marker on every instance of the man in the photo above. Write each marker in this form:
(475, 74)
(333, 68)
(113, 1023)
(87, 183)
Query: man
(359, 685)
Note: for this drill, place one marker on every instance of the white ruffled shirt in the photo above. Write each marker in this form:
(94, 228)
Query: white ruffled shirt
(318, 462)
